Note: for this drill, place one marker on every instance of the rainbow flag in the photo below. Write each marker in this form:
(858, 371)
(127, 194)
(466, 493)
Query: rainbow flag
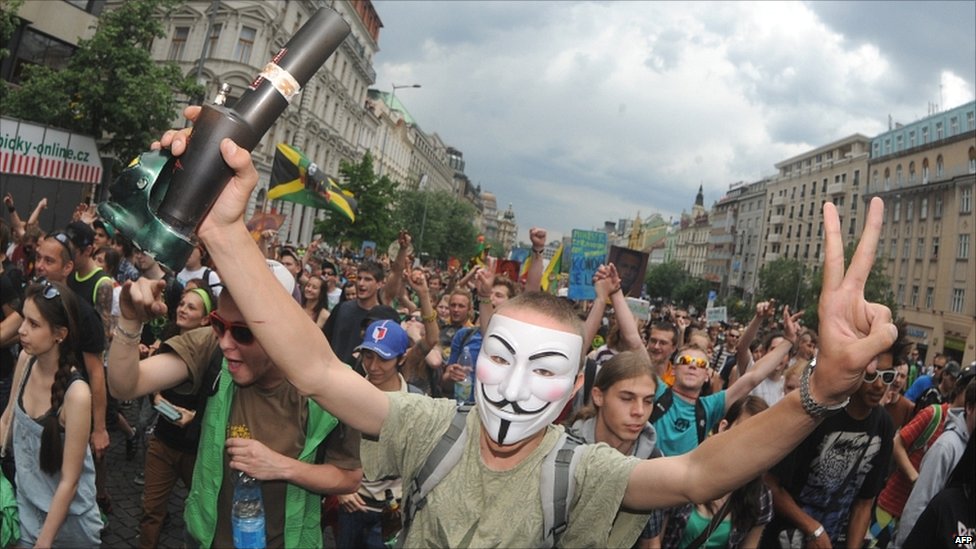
(295, 178)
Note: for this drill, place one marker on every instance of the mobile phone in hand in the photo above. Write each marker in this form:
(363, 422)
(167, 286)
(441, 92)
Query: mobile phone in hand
(167, 411)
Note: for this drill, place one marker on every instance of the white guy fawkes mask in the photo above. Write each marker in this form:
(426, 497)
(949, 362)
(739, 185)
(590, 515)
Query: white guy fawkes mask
(525, 377)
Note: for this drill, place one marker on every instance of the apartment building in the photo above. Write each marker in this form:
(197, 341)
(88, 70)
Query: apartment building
(793, 227)
(925, 172)
(691, 241)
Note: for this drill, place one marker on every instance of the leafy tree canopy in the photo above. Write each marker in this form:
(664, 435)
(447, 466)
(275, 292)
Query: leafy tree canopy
(446, 231)
(663, 279)
(374, 197)
(785, 280)
(111, 88)
(877, 289)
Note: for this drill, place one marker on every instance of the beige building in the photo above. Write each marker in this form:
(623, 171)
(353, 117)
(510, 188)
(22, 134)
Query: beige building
(925, 172)
(836, 172)
(748, 239)
(691, 246)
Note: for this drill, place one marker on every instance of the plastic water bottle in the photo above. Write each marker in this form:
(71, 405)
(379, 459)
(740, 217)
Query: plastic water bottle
(463, 389)
(247, 514)
(390, 520)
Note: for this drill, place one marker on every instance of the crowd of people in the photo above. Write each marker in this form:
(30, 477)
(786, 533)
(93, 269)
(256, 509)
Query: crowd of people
(474, 409)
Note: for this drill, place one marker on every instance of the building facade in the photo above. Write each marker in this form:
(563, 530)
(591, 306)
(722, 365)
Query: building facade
(836, 172)
(691, 242)
(926, 173)
(748, 241)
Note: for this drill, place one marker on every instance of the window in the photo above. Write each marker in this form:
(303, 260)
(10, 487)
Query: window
(905, 248)
(887, 179)
(925, 135)
(972, 159)
(938, 131)
(896, 212)
(958, 300)
(909, 210)
(953, 126)
(898, 176)
(178, 44)
(857, 177)
(901, 294)
(911, 173)
(937, 208)
(939, 167)
(962, 249)
(245, 43)
(971, 120)
(914, 296)
(935, 247)
(925, 171)
(920, 249)
(911, 139)
(929, 294)
(923, 208)
(212, 41)
(874, 178)
(850, 227)
(966, 200)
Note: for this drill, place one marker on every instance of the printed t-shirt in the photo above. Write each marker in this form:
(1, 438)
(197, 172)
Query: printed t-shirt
(896, 491)
(820, 473)
(276, 417)
(676, 430)
(477, 507)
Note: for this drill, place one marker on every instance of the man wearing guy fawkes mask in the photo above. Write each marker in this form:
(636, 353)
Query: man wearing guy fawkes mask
(492, 482)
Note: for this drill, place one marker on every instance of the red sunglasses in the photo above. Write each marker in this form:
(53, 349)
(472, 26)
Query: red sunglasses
(238, 330)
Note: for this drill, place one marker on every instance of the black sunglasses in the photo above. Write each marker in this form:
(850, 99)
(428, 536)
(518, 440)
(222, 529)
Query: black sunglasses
(238, 330)
(48, 290)
(64, 240)
(887, 376)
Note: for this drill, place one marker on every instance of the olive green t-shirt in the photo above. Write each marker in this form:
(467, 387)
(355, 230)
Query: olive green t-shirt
(474, 506)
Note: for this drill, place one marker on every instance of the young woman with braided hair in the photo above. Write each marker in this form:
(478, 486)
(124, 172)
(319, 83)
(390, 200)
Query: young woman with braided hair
(48, 425)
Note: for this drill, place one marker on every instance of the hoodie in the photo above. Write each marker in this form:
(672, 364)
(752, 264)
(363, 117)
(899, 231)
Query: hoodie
(934, 471)
(644, 448)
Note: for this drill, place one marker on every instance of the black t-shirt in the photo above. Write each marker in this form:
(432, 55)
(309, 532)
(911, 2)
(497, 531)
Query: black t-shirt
(91, 332)
(10, 296)
(820, 473)
(344, 329)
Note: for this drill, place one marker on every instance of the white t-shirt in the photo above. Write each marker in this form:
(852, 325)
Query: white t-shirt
(186, 275)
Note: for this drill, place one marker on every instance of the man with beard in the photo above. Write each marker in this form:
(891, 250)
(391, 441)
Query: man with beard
(528, 369)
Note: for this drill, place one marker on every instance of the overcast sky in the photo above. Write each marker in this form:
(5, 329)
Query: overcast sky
(581, 112)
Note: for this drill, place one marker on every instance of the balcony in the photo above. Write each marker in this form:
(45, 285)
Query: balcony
(774, 238)
(835, 188)
(776, 219)
(771, 256)
(779, 201)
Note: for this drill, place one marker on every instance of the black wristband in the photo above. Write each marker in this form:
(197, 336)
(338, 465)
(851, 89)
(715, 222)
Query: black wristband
(12, 209)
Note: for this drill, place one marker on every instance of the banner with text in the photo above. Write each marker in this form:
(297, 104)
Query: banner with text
(40, 151)
(588, 251)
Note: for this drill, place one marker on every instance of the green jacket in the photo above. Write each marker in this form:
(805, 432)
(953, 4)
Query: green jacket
(302, 507)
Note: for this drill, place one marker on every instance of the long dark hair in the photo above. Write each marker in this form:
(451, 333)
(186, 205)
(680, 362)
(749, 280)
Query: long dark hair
(323, 300)
(59, 307)
(745, 501)
(623, 366)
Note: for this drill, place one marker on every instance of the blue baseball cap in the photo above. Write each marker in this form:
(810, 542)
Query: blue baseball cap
(385, 338)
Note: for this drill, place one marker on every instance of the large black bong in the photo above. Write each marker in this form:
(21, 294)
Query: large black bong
(159, 201)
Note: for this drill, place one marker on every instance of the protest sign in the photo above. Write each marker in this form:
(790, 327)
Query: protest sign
(588, 251)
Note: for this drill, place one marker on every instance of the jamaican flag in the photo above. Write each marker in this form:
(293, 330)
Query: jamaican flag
(551, 273)
(295, 178)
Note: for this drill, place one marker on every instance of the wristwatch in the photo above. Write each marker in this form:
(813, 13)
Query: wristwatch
(815, 409)
(815, 534)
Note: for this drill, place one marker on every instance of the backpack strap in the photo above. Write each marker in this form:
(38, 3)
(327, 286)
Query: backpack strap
(558, 484)
(922, 440)
(663, 404)
(439, 463)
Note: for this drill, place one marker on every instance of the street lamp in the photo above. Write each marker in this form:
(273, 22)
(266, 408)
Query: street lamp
(423, 223)
(387, 132)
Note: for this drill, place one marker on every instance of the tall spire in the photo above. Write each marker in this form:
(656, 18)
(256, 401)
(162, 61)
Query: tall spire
(700, 199)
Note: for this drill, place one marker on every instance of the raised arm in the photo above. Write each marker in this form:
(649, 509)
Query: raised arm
(765, 366)
(293, 342)
(629, 332)
(484, 279)
(595, 317)
(743, 356)
(128, 377)
(533, 278)
(393, 285)
(853, 332)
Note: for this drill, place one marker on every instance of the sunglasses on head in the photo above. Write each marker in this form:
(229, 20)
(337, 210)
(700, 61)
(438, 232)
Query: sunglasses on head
(238, 330)
(64, 240)
(887, 376)
(48, 290)
(692, 361)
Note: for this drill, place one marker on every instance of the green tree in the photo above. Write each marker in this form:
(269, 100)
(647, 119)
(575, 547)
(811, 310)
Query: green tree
(877, 288)
(785, 280)
(374, 216)
(663, 279)
(8, 23)
(692, 292)
(111, 88)
(447, 230)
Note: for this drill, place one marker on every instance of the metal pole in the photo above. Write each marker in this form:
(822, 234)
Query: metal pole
(423, 221)
(387, 132)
